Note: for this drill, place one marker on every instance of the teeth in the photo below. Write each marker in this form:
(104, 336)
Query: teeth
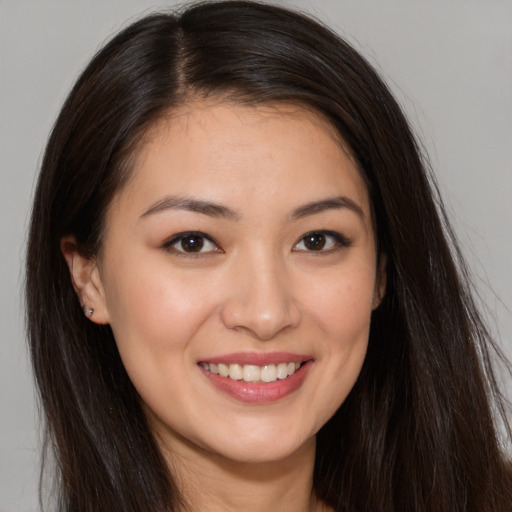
(269, 373)
(235, 372)
(282, 371)
(253, 373)
(223, 370)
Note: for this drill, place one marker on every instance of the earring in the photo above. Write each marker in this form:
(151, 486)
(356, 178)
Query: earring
(87, 311)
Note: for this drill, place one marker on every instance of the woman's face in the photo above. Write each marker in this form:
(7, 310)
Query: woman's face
(238, 274)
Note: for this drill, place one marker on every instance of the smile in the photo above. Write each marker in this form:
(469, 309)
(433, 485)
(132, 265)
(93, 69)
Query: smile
(253, 373)
(257, 378)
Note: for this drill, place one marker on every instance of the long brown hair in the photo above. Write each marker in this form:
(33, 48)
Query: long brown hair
(417, 432)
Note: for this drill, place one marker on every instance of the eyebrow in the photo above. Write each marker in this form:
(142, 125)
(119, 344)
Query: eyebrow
(220, 211)
(333, 203)
(191, 205)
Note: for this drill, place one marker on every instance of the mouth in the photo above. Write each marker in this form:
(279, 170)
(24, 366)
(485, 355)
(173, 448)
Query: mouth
(253, 373)
(257, 378)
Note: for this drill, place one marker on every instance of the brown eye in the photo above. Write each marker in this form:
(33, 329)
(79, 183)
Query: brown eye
(314, 241)
(192, 243)
(321, 241)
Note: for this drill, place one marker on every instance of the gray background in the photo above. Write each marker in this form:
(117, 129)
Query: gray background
(449, 63)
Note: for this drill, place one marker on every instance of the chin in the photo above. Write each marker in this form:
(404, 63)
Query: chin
(254, 449)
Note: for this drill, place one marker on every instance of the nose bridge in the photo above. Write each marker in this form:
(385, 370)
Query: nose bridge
(261, 300)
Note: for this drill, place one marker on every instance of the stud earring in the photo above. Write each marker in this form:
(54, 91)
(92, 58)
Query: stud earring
(87, 311)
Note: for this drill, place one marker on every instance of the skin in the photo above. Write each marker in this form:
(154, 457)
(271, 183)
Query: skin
(256, 287)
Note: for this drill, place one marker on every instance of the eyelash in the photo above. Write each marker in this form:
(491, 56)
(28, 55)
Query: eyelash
(180, 237)
(338, 241)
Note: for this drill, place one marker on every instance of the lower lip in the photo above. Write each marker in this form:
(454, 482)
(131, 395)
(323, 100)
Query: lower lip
(256, 392)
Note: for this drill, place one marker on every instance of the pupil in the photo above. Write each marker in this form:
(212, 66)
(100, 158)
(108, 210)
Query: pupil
(314, 242)
(192, 243)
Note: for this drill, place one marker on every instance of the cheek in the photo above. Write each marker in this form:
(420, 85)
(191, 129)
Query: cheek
(348, 323)
(154, 314)
(342, 303)
(341, 308)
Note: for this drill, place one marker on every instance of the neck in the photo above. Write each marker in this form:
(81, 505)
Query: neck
(211, 483)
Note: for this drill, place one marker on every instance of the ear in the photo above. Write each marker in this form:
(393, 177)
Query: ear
(380, 281)
(86, 279)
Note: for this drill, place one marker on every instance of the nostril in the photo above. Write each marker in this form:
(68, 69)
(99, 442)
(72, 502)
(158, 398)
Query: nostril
(261, 325)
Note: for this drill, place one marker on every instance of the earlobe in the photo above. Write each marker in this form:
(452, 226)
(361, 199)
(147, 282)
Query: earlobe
(86, 279)
(380, 282)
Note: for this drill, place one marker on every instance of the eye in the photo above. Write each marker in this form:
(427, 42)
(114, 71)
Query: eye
(191, 243)
(321, 241)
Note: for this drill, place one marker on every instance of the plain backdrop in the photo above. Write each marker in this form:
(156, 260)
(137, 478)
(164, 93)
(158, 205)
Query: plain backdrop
(449, 64)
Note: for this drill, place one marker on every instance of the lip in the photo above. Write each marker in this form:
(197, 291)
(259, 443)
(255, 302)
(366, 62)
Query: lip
(257, 358)
(256, 392)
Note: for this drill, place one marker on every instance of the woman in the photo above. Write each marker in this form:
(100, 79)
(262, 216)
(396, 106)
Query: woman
(241, 288)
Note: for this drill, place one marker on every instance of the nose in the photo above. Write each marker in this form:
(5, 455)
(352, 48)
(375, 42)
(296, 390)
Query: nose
(261, 300)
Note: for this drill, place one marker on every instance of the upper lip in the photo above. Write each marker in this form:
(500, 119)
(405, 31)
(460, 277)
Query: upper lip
(257, 358)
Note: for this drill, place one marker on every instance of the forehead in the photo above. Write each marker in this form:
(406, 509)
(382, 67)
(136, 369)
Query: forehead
(240, 153)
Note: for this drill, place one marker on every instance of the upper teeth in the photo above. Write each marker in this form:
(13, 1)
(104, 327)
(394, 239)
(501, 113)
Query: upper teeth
(253, 373)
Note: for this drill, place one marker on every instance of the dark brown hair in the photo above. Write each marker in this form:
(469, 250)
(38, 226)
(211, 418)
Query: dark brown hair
(417, 432)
